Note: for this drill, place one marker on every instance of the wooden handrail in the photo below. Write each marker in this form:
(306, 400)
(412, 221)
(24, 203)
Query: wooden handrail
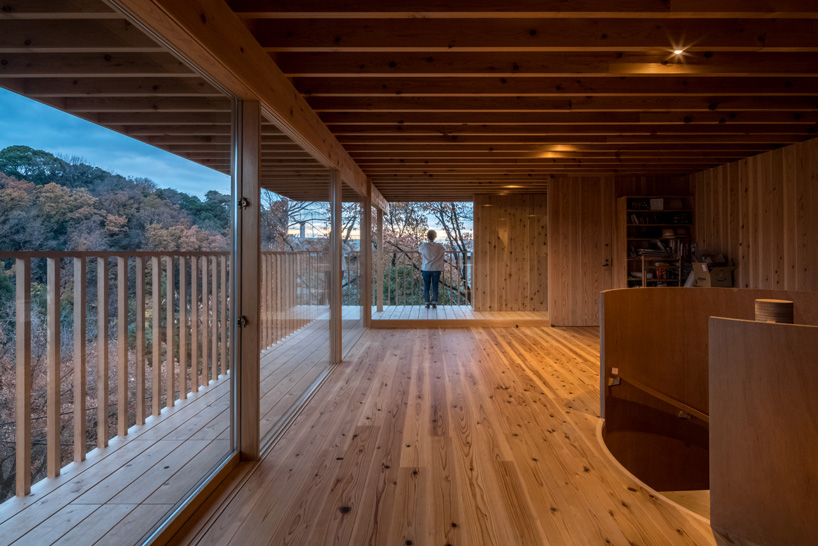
(667, 399)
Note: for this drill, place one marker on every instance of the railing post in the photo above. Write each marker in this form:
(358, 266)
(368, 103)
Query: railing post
(214, 320)
(140, 340)
(102, 352)
(205, 324)
(223, 309)
(79, 360)
(170, 361)
(122, 345)
(194, 324)
(23, 376)
(182, 328)
(53, 368)
(156, 336)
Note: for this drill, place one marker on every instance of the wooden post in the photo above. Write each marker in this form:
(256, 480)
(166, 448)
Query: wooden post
(53, 368)
(335, 268)
(223, 314)
(205, 324)
(79, 360)
(264, 290)
(23, 376)
(102, 352)
(140, 340)
(214, 320)
(365, 261)
(194, 324)
(122, 345)
(182, 328)
(247, 123)
(170, 366)
(156, 336)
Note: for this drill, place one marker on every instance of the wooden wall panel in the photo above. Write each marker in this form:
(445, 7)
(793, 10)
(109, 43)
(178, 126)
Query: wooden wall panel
(510, 253)
(581, 219)
(763, 432)
(762, 213)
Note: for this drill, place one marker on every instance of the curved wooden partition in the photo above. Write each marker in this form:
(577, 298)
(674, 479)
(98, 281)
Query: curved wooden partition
(656, 417)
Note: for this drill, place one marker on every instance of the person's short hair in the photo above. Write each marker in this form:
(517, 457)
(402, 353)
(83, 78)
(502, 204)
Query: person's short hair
(431, 235)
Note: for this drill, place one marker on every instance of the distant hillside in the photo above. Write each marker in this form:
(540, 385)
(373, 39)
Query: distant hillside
(49, 203)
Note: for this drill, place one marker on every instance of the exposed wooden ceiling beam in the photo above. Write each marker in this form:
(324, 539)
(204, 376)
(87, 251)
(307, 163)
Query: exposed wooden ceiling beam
(490, 9)
(57, 9)
(78, 36)
(577, 103)
(83, 65)
(527, 64)
(634, 86)
(408, 149)
(146, 104)
(573, 139)
(527, 34)
(540, 129)
(563, 118)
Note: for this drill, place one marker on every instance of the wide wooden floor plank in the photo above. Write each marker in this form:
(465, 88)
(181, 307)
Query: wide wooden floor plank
(481, 436)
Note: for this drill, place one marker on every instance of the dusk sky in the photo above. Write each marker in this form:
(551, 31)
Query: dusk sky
(29, 123)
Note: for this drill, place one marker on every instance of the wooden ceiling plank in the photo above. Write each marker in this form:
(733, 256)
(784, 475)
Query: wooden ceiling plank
(659, 129)
(81, 65)
(57, 9)
(147, 104)
(545, 140)
(110, 87)
(80, 35)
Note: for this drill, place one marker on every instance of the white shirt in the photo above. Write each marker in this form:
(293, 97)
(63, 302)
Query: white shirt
(432, 254)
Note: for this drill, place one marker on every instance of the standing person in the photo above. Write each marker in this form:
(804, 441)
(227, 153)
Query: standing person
(431, 267)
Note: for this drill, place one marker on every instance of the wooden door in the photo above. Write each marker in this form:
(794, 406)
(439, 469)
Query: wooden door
(580, 240)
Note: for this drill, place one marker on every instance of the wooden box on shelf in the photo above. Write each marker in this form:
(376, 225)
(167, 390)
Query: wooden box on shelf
(652, 243)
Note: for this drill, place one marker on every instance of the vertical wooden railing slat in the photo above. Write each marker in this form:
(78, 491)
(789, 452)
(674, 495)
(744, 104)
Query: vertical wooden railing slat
(102, 352)
(205, 324)
(264, 310)
(22, 438)
(139, 370)
(194, 324)
(53, 368)
(214, 323)
(156, 336)
(170, 361)
(122, 345)
(79, 360)
(223, 309)
(182, 328)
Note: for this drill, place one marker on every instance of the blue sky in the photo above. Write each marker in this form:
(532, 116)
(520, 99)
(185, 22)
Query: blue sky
(29, 123)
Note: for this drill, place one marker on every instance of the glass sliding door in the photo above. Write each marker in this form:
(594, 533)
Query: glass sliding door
(294, 291)
(116, 264)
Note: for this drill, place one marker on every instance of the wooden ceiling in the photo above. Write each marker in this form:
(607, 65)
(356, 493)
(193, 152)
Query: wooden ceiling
(444, 98)
(85, 58)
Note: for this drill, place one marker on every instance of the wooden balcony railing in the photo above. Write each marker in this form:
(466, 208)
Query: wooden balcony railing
(189, 300)
(402, 284)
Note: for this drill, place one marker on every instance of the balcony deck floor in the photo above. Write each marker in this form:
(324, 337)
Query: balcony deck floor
(481, 437)
(453, 316)
(120, 493)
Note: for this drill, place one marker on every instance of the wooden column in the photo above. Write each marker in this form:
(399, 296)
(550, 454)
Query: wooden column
(22, 273)
(335, 267)
(379, 262)
(79, 360)
(248, 241)
(365, 261)
(53, 368)
(102, 352)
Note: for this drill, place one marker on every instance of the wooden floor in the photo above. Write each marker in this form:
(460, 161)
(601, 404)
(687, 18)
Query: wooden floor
(119, 494)
(447, 437)
(452, 316)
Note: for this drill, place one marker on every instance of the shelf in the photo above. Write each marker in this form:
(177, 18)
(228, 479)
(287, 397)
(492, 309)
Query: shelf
(663, 210)
(654, 225)
(656, 238)
(654, 258)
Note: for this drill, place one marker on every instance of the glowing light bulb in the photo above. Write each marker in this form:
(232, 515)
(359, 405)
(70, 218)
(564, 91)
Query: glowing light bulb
(678, 51)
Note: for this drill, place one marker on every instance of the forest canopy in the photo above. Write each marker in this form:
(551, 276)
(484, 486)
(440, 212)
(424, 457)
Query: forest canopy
(52, 203)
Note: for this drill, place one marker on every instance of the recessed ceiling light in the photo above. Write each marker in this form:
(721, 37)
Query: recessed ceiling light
(678, 51)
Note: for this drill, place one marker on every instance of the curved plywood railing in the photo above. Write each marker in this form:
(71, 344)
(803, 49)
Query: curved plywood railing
(656, 418)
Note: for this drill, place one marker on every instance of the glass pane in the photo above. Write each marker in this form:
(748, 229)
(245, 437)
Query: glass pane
(115, 273)
(352, 280)
(295, 276)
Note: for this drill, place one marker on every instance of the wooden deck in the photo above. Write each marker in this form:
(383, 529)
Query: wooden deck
(121, 493)
(474, 437)
(452, 316)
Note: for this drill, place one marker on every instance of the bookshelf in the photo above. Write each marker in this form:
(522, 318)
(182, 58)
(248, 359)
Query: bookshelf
(653, 238)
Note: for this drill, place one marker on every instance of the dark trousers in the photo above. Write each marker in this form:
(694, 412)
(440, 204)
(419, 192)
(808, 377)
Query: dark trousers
(433, 278)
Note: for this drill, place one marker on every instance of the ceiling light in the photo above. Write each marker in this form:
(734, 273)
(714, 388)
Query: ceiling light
(678, 51)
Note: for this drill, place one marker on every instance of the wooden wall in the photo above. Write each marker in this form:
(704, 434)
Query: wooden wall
(763, 432)
(581, 227)
(510, 253)
(762, 213)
